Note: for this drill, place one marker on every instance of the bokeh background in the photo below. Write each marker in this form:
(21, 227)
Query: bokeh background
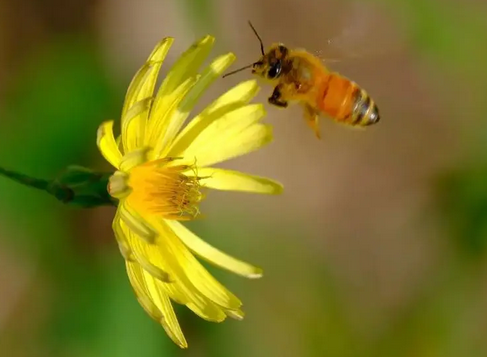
(378, 245)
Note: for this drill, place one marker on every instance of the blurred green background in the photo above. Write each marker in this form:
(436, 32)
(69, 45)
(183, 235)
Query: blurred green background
(378, 245)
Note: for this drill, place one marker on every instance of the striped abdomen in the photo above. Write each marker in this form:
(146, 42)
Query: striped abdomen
(347, 103)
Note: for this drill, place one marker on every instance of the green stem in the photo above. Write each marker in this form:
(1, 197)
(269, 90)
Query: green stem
(25, 180)
(75, 186)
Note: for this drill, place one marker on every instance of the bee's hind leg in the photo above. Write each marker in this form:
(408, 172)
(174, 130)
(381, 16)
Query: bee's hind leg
(276, 98)
(311, 117)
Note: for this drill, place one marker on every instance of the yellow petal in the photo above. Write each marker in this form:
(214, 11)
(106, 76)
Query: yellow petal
(235, 98)
(132, 127)
(122, 239)
(228, 180)
(155, 302)
(137, 224)
(150, 254)
(138, 253)
(210, 311)
(181, 289)
(202, 280)
(236, 133)
(235, 314)
(143, 83)
(187, 65)
(214, 256)
(107, 144)
(169, 320)
(141, 89)
(165, 115)
(176, 293)
(118, 140)
(134, 158)
(207, 77)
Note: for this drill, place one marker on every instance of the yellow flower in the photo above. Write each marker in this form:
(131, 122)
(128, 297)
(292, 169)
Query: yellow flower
(161, 170)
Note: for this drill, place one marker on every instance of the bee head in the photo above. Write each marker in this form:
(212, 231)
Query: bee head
(270, 65)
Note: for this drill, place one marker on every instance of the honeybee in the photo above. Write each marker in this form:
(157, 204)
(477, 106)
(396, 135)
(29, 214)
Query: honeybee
(299, 76)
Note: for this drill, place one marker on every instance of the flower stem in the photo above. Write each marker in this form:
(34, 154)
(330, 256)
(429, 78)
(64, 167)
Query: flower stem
(25, 180)
(75, 186)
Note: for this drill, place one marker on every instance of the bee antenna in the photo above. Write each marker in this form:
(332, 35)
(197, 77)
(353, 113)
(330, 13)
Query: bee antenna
(260, 40)
(238, 70)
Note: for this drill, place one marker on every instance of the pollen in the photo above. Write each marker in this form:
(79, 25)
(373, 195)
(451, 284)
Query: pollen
(159, 189)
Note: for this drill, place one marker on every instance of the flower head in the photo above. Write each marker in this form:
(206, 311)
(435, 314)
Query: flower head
(162, 170)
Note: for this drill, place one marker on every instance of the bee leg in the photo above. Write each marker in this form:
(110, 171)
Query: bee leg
(311, 117)
(276, 98)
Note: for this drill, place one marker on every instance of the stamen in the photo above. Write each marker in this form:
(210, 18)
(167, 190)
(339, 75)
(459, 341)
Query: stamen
(159, 189)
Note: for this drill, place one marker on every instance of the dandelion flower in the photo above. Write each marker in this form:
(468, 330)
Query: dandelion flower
(162, 169)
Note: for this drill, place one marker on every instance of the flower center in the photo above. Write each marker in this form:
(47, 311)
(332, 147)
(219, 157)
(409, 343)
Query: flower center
(154, 188)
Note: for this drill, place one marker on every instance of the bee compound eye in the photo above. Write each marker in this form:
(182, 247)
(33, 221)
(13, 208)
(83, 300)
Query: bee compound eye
(275, 70)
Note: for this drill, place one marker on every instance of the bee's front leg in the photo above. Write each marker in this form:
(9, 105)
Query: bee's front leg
(276, 98)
